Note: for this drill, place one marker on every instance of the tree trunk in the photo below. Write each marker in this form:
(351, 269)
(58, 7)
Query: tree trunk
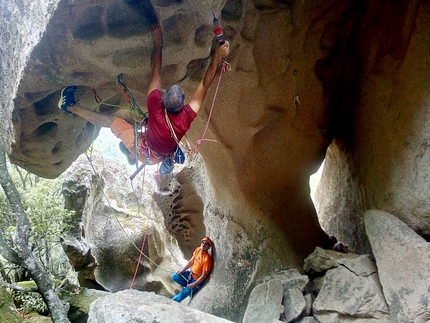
(21, 253)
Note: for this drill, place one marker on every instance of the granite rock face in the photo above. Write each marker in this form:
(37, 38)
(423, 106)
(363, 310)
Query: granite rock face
(113, 220)
(342, 80)
(22, 25)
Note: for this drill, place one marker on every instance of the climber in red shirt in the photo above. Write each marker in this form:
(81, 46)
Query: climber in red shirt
(160, 141)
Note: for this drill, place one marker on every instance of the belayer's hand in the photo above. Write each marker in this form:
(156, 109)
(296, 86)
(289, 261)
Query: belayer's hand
(192, 285)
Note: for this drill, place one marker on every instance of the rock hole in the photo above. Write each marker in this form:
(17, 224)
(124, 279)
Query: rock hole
(174, 27)
(203, 35)
(89, 25)
(125, 21)
(57, 147)
(232, 10)
(196, 69)
(48, 129)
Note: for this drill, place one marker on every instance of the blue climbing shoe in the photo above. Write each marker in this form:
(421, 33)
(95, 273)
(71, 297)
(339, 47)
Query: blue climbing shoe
(125, 151)
(67, 98)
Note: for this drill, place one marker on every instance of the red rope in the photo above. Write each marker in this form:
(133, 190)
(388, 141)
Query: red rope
(224, 64)
(140, 257)
(144, 236)
(143, 242)
(223, 68)
(96, 96)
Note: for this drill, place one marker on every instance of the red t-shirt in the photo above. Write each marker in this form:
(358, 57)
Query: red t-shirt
(158, 133)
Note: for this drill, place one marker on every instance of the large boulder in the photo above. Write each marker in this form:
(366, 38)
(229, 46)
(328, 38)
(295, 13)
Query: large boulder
(403, 261)
(265, 303)
(349, 296)
(113, 220)
(349, 290)
(134, 306)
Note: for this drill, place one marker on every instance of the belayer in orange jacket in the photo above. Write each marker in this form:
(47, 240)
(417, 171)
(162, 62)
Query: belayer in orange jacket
(192, 280)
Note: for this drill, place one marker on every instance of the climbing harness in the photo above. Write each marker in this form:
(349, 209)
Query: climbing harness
(134, 107)
(296, 95)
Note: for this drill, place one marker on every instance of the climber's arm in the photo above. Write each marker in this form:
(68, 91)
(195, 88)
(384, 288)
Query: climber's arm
(156, 57)
(199, 95)
(188, 265)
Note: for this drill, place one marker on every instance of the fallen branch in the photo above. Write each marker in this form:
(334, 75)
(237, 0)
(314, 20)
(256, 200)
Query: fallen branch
(19, 288)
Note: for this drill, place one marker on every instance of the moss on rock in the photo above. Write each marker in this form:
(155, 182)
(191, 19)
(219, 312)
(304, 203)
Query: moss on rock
(80, 304)
(8, 311)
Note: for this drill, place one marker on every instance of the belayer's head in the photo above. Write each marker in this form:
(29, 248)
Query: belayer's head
(174, 99)
(206, 242)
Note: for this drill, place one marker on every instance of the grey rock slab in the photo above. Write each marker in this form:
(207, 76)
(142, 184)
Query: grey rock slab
(403, 261)
(347, 294)
(265, 303)
(143, 307)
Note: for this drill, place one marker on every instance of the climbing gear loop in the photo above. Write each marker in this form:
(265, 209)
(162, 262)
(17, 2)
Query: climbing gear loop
(227, 65)
(134, 106)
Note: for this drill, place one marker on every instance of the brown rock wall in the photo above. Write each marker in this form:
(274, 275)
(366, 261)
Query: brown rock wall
(268, 141)
(381, 160)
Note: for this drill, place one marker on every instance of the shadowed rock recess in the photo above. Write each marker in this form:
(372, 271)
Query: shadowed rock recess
(345, 82)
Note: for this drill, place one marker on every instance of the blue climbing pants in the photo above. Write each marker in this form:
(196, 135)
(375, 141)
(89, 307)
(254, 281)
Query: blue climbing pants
(182, 280)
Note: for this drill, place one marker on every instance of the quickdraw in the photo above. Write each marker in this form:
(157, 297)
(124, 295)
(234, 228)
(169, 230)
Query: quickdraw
(130, 96)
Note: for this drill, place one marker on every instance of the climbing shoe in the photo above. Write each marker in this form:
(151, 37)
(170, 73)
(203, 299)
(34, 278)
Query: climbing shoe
(126, 152)
(67, 98)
